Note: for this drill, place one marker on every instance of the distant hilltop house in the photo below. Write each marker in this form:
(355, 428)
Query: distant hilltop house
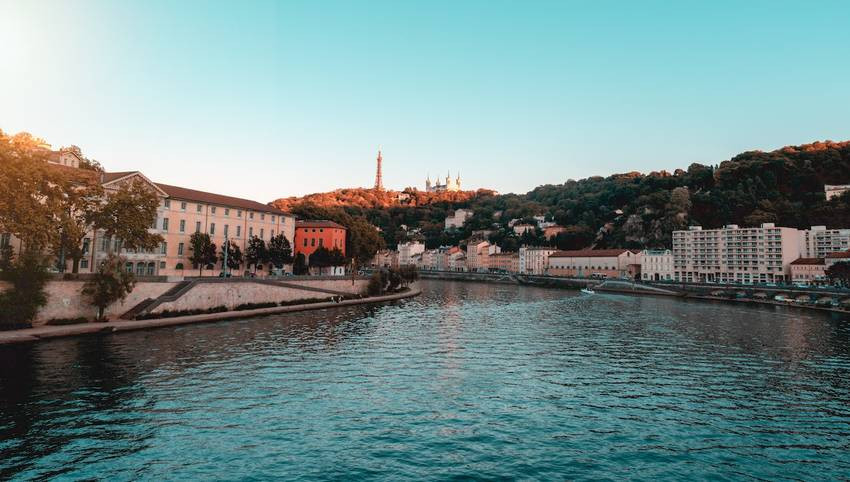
(451, 185)
(835, 190)
(458, 218)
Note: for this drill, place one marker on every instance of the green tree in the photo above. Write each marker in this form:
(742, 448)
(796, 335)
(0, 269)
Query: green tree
(839, 273)
(203, 251)
(299, 266)
(110, 283)
(256, 253)
(323, 257)
(280, 251)
(28, 276)
(128, 214)
(234, 256)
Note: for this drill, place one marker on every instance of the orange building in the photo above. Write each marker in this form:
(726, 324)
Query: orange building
(310, 235)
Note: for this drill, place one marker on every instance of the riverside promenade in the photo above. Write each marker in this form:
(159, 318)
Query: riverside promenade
(47, 332)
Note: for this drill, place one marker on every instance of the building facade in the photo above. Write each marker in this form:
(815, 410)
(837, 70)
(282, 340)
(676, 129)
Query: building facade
(595, 263)
(656, 265)
(809, 271)
(409, 252)
(832, 191)
(311, 235)
(818, 241)
(504, 262)
(458, 218)
(534, 260)
(735, 255)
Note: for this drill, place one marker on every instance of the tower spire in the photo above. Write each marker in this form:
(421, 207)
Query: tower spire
(379, 182)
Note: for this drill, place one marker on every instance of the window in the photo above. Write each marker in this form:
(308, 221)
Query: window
(200, 207)
(312, 241)
(162, 265)
(84, 263)
(165, 224)
(250, 215)
(273, 217)
(167, 203)
(238, 231)
(86, 243)
(183, 205)
(227, 211)
(163, 248)
(251, 232)
(305, 242)
(262, 234)
(262, 216)
(212, 209)
(239, 213)
(180, 249)
(197, 226)
(5, 239)
(182, 225)
(321, 242)
(226, 229)
(212, 228)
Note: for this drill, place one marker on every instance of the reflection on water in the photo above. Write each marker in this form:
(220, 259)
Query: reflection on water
(467, 380)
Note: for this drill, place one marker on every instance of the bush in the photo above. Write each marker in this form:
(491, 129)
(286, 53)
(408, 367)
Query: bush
(172, 314)
(67, 321)
(28, 275)
(254, 306)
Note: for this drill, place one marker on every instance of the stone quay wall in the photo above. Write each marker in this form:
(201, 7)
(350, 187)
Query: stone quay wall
(65, 299)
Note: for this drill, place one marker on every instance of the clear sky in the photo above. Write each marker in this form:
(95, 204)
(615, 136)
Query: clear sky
(271, 99)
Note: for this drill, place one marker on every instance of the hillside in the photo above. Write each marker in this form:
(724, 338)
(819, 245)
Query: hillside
(634, 210)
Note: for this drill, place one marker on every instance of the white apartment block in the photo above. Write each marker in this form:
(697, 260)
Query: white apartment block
(534, 260)
(657, 265)
(408, 252)
(735, 255)
(818, 241)
(457, 219)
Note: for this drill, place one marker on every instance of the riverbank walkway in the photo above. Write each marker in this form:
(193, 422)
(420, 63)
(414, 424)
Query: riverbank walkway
(113, 326)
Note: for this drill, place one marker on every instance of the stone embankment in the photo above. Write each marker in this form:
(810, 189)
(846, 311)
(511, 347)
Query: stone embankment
(49, 332)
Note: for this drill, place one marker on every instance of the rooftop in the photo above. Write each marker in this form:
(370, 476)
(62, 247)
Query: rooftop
(807, 261)
(588, 253)
(318, 223)
(219, 199)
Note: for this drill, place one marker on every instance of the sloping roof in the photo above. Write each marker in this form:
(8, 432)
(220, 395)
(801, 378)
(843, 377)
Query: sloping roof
(807, 261)
(588, 253)
(318, 223)
(840, 254)
(218, 199)
(112, 176)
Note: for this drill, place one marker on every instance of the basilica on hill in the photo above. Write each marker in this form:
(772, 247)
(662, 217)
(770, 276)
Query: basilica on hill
(449, 185)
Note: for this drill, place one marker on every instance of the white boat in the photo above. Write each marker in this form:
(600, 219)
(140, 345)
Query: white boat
(588, 291)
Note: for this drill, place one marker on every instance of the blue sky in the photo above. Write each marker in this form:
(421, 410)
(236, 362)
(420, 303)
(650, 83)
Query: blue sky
(271, 99)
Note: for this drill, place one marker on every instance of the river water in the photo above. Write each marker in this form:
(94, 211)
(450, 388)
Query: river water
(467, 380)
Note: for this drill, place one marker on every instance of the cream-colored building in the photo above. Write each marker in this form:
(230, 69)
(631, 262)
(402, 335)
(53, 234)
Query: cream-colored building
(477, 253)
(458, 218)
(818, 241)
(595, 263)
(808, 271)
(181, 212)
(656, 265)
(832, 191)
(504, 262)
(735, 255)
(534, 260)
(408, 252)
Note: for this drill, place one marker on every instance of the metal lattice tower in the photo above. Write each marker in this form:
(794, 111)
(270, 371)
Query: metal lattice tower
(379, 182)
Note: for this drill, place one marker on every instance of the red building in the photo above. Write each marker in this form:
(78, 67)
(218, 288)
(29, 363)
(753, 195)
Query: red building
(310, 235)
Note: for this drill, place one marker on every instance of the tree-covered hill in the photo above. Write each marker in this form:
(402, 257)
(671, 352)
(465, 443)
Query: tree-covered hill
(638, 210)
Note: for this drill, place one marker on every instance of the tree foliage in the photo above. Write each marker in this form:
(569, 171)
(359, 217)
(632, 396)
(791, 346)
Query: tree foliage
(280, 251)
(299, 266)
(256, 252)
(28, 276)
(202, 251)
(111, 283)
(128, 213)
(839, 273)
(234, 255)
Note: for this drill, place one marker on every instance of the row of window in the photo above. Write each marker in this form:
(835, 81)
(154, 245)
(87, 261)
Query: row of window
(182, 229)
(200, 207)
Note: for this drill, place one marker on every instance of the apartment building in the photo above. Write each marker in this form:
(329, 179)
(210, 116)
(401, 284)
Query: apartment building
(818, 241)
(477, 253)
(410, 252)
(735, 255)
(534, 260)
(595, 263)
(808, 271)
(656, 265)
(311, 235)
(458, 218)
(504, 262)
